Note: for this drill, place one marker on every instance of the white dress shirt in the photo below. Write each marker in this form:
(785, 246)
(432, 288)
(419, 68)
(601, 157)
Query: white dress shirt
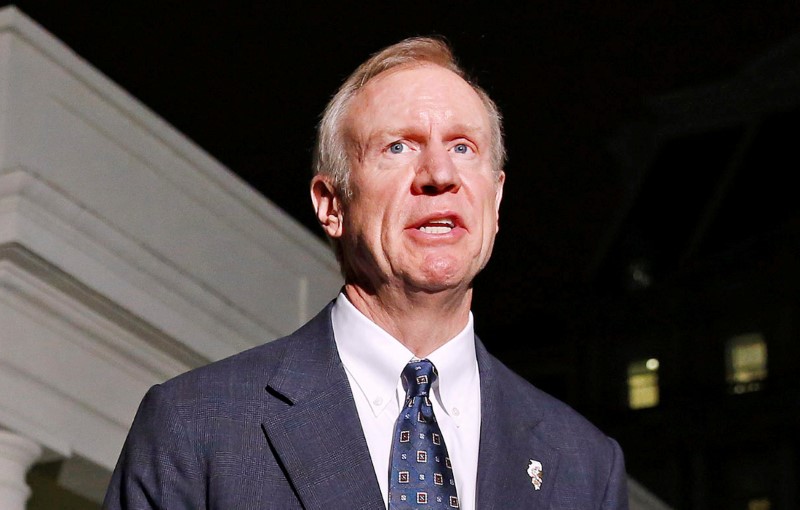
(374, 360)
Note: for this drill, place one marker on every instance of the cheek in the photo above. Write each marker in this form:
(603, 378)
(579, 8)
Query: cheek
(383, 197)
(366, 217)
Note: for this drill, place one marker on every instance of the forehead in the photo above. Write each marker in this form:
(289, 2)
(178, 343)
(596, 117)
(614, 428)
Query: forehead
(419, 96)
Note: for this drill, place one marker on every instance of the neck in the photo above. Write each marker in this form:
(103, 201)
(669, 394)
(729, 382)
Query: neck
(421, 321)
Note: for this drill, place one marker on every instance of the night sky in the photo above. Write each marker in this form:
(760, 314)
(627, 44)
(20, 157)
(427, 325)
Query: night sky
(246, 81)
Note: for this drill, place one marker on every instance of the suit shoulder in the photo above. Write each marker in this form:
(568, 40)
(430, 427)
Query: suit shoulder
(564, 426)
(242, 365)
(252, 368)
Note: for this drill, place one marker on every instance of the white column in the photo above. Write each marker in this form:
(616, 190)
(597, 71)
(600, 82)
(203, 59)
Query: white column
(17, 455)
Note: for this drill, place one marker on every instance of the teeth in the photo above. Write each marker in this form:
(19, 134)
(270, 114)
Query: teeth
(442, 226)
(436, 229)
(445, 222)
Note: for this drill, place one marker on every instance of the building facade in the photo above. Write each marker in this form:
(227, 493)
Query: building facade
(127, 256)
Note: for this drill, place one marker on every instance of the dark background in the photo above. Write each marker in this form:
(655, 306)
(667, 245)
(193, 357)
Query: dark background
(246, 81)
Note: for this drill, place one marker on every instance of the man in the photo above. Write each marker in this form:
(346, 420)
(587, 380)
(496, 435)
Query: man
(407, 186)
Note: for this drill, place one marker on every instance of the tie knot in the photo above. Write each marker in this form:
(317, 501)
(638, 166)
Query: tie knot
(418, 376)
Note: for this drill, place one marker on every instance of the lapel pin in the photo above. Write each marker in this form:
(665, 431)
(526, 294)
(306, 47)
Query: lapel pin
(535, 472)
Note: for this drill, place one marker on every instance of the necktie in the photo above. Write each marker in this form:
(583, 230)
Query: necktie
(421, 475)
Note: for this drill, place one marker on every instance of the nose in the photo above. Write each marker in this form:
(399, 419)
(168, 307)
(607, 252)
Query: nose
(437, 173)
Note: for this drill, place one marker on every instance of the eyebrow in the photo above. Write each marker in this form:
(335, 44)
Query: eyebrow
(471, 131)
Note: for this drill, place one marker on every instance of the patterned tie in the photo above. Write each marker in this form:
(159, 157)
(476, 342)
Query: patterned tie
(421, 475)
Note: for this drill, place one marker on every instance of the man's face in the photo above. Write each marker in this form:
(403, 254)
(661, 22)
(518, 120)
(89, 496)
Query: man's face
(424, 210)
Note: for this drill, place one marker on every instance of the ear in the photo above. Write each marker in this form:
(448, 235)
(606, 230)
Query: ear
(327, 205)
(501, 179)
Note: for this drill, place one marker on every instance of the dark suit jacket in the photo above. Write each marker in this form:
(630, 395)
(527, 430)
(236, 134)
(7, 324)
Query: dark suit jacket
(276, 427)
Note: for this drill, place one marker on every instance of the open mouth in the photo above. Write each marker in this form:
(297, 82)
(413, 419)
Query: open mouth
(440, 226)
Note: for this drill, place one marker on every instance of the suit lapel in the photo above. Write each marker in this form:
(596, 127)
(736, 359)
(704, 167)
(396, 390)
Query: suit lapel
(508, 443)
(312, 425)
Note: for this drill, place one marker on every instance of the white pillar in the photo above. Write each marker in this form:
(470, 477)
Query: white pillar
(17, 455)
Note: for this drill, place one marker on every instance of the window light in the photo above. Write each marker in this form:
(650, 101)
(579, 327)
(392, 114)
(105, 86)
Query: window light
(643, 391)
(746, 362)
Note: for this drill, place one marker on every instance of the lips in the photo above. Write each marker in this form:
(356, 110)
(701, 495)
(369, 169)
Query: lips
(438, 223)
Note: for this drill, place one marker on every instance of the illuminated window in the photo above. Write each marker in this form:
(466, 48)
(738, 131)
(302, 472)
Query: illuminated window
(746, 360)
(643, 384)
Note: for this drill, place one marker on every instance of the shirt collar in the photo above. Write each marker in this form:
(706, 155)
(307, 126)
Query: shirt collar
(372, 357)
(457, 366)
(375, 359)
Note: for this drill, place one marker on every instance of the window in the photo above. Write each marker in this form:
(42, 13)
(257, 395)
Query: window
(746, 362)
(643, 384)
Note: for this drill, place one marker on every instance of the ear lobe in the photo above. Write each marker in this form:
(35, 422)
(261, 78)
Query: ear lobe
(327, 206)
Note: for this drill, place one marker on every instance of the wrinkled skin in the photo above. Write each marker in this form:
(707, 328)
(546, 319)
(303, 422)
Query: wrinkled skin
(423, 216)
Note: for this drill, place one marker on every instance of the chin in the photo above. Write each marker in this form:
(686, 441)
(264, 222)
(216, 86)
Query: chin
(437, 282)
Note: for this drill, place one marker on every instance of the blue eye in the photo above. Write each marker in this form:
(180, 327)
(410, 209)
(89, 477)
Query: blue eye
(397, 147)
(461, 148)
